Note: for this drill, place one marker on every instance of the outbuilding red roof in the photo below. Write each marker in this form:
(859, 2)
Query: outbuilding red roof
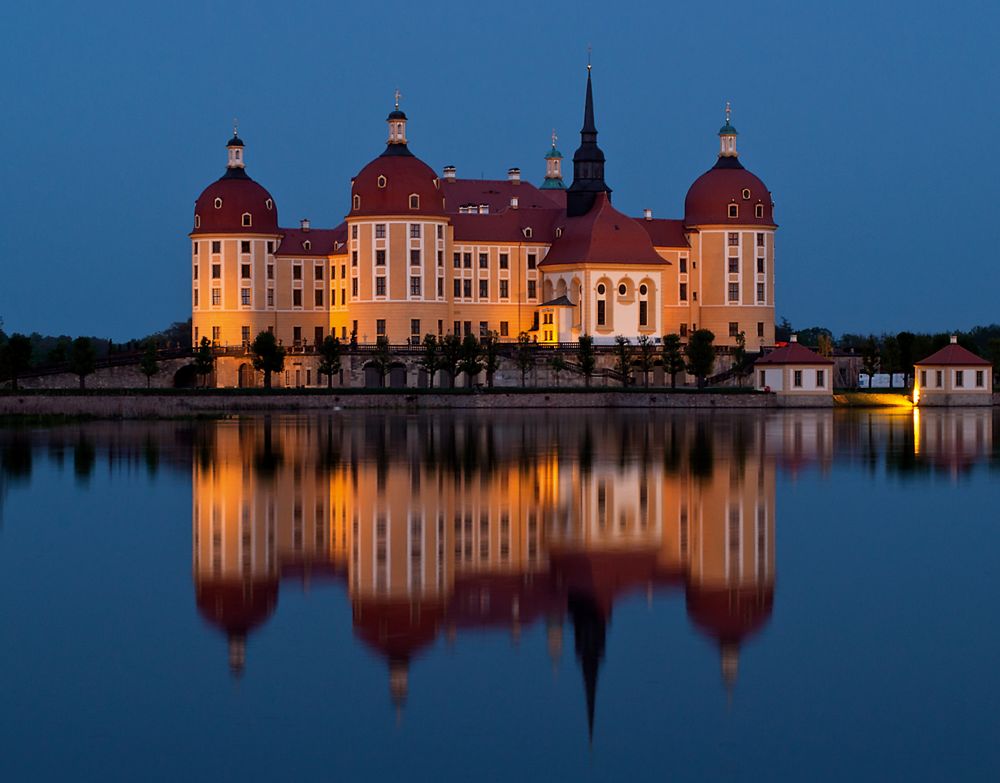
(665, 233)
(603, 236)
(954, 354)
(793, 353)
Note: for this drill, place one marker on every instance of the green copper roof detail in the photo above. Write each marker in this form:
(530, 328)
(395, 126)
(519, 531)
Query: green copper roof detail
(553, 184)
(727, 130)
(552, 154)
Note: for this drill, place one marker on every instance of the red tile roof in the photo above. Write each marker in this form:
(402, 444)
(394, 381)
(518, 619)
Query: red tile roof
(665, 233)
(405, 175)
(603, 236)
(322, 242)
(708, 199)
(954, 354)
(497, 193)
(793, 353)
(508, 226)
(239, 195)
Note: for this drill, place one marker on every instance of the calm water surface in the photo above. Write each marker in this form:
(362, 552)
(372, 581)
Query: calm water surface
(590, 595)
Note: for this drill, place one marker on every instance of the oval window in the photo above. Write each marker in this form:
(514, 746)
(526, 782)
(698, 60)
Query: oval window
(381, 181)
(269, 204)
(746, 193)
(622, 289)
(601, 289)
(642, 290)
(218, 203)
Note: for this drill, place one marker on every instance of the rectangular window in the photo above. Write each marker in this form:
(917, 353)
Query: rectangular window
(504, 329)
(797, 379)
(467, 289)
(216, 333)
(379, 258)
(758, 211)
(414, 258)
(643, 314)
(380, 230)
(245, 297)
(414, 231)
(440, 288)
(440, 259)
(440, 232)
(354, 258)
(760, 239)
(734, 292)
(456, 260)
(216, 271)
(415, 327)
(734, 265)
(734, 239)
(333, 271)
(245, 271)
(684, 330)
(380, 286)
(457, 327)
(467, 260)
(343, 294)
(504, 289)
(684, 292)
(354, 287)
(760, 328)
(270, 271)
(297, 272)
(484, 328)
(923, 377)
(318, 335)
(734, 210)
(195, 248)
(415, 285)
(760, 292)
(354, 231)
(980, 379)
(296, 297)
(484, 261)
(245, 334)
(484, 289)
(760, 266)
(270, 246)
(457, 285)
(216, 246)
(959, 379)
(532, 261)
(504, 261)
(380, 327)
(600, 312)
(734, 328)
(244, 246)
(216, 297)
(196, 297)
(319, 297)
(467, 326)
(820, 379)
(343, 271)
(194, 274)
(938, 378)
(532, 289)
(270, 297)
(683, 266)
(318, 272)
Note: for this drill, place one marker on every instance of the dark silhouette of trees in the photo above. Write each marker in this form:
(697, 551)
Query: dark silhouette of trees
(647, 352)
(267, 356)
(623, 357)
(148, 365)
(329, 363)
(15, 357)
(82, 359)
(700, 354)
(673, 359)
(586, 358)
(524, 356)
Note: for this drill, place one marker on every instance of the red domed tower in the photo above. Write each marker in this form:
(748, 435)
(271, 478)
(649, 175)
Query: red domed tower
(233, 241)
(729, 215)
(397, 234)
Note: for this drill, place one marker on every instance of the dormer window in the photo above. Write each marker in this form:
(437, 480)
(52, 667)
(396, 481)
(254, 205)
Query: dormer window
(247, 220)
(414, 201)
(734, 210)
(357, 201)
(197, 221)
(218, 203)
(307, 244)
(746, 194)
(558, 233)
(381, 181)
(269, 204)
(527, 232)
(759, 211)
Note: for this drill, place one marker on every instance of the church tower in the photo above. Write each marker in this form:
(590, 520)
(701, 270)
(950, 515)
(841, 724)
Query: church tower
(553, 168)
(588, 163)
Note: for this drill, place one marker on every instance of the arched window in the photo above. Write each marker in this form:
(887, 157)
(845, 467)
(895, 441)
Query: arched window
(759, 211)
(746, 194)
(414, 201)
(269, 204)
(197, 221)
(357, 201)
(381, 181)
(247, 220)
(527, 232)
(218, 203)
(734, 210)
(307, 245)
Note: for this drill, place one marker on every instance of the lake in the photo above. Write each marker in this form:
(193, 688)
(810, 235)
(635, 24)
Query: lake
(796, 595)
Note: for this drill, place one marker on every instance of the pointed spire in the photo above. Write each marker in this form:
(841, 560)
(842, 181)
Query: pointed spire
(589, 126)
(589, 630)
(588, 161)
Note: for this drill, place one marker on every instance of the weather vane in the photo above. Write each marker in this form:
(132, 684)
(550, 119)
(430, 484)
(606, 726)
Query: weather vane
(554, 138)
(729, 111)
(398, 95)
(236, 126)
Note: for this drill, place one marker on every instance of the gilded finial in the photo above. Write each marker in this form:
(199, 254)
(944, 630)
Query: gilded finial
(397, 96)
(590, 50)
(729, 112)
(554, 138)
(236, 127)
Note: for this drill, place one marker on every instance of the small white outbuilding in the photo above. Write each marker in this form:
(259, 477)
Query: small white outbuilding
(794, 371)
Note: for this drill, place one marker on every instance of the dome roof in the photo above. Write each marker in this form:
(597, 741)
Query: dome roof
(385, 185)
(235, 141)
(730, 614)
(727, 182)
(221, 206)
(603, 236)
(396, 114)
(236, 606)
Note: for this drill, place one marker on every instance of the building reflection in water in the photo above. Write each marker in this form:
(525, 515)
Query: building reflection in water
(444, 524)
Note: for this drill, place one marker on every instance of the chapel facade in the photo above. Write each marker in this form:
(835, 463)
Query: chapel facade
(421, 252)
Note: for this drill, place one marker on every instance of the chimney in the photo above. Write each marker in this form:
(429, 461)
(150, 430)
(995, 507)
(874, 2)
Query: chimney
(304, 224)
(793, 339)
(514, 175)
(954, 339)
(484, 209)
(449, 173)
(513, 202)
(647, 214)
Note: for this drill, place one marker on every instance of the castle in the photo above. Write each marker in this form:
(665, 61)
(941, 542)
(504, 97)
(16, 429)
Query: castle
(426, 253)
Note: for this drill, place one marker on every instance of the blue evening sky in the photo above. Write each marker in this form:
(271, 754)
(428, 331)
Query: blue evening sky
(873, 124)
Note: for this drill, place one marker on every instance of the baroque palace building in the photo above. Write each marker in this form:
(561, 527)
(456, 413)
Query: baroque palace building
(421, 252)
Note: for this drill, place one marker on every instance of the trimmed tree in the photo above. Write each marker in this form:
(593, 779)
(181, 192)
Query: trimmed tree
(204, 360)
(871, 359)
(451, 355)
(267, 355)
(148, 365)
(382, 358)
(430, 359)
(490, 355)
(647, 352)
(700, 354)
(740, 358)
(15, 357)
(82, 359)
(586, 358)
(673, 358)
(558, 366)
(905, 341)
(524, 356)
(329, 363)
(623, 357)
(470, 363)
